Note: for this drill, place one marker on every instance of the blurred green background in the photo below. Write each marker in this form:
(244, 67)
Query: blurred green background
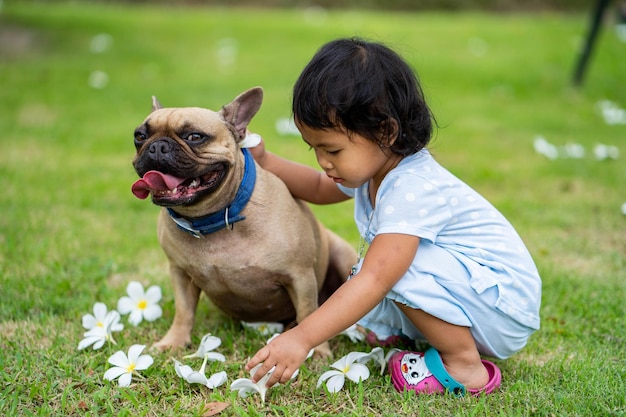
(76, 79)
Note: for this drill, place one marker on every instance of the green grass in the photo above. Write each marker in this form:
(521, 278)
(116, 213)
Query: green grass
(72, 234)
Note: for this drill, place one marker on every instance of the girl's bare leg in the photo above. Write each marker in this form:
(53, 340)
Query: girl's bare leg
(455, 344)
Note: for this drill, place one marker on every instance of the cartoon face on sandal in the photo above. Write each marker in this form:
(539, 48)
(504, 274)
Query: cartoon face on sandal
(413, 367)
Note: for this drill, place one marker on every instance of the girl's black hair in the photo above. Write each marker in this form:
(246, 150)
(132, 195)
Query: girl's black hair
(366, 88)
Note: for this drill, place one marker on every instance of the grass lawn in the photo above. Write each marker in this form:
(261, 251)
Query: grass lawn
(75, 80)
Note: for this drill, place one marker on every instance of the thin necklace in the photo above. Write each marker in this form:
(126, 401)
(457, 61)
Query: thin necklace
(363, 245)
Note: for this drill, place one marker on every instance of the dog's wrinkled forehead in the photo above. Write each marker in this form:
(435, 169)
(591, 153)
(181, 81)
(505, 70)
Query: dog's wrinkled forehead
(178, 121)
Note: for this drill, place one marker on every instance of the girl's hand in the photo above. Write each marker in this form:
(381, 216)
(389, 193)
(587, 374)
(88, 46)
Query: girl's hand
(285, 354)
(302, 181)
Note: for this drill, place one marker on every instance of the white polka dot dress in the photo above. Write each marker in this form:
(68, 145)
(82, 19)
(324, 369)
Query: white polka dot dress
(471, 268)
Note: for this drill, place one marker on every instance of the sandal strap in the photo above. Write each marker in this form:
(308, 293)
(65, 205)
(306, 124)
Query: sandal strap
(435, 366)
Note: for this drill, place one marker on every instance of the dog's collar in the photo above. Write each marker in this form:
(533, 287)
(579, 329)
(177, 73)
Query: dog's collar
(226, 217)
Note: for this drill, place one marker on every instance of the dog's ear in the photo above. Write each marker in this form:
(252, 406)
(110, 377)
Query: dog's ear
(242, 109)
(155, 104)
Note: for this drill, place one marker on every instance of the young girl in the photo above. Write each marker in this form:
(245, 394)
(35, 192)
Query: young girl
(443, 265)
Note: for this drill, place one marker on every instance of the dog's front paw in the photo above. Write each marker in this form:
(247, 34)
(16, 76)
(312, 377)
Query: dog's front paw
(172, 340)
(323, 351)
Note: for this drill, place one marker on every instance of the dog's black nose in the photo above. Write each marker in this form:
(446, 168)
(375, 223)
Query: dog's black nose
(159, 148)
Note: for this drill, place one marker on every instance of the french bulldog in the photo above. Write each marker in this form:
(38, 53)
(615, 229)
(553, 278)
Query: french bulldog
(228, 227)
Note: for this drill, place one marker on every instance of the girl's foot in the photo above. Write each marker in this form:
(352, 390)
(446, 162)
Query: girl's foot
(425, 373)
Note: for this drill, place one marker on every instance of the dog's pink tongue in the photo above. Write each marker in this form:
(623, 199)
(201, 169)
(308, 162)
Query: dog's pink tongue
(154, 181)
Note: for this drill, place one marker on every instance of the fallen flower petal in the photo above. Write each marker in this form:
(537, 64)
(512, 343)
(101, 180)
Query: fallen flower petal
(603, 152)
(102, 331)
(334, 380)
(377, 355)
(125, 365)
(265, 328)
(354, 334)
(612, 113)
(141, 305)
(573, 150)
(217, 379)
(286, 126)
(543, 147)
(358, 372)
(97, 319)
(182, 371)
(246, 387)
(94, 338)
(349, 367)
(199, 377)
(207, 344)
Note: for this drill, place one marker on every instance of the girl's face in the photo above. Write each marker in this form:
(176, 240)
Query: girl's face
(349, 160)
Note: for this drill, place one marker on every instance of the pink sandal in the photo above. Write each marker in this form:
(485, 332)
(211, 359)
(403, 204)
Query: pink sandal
(425, 373)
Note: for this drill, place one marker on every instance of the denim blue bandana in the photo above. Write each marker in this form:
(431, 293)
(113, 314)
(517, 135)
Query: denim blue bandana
(228, 216)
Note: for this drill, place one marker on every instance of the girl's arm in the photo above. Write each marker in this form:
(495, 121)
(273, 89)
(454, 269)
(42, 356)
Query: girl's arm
(302, 181)
(387, 260)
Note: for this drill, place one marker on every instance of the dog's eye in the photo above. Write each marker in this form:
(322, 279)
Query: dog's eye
(194, 137)
(140, 136)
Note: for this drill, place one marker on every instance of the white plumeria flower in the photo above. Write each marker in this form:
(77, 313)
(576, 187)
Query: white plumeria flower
(264, 328)
(543, 147)
(348, 366)
(603, 152)
(98, 318)
(199, 377)
(388, 356)
(286, 126)
(354, 334)
(574, 151)
(141, 305)
(207, 344)
(245, 386)
(125, 366)
(612, 113)
(102, 330)
(378, 355)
